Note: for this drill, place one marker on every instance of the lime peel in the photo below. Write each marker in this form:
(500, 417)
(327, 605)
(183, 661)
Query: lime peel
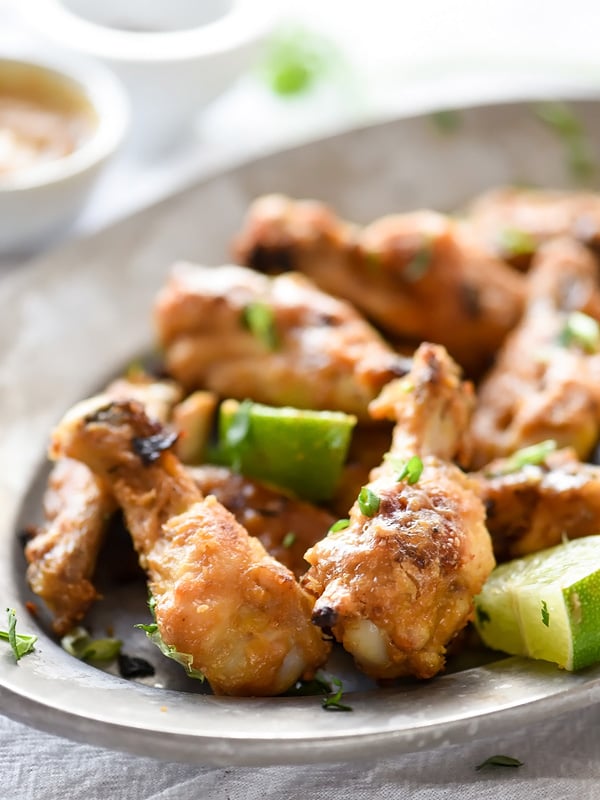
(545, 605)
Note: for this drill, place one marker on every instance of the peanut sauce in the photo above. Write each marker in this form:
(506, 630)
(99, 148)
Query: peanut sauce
(43, 117)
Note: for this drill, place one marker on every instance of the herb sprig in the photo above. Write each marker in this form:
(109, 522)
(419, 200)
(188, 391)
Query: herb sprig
(20, 643)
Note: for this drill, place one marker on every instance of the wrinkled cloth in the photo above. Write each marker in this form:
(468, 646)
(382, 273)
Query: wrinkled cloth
(561, 759)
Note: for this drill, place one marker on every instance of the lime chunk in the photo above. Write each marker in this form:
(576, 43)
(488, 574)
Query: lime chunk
(545, 605)
(303, 451)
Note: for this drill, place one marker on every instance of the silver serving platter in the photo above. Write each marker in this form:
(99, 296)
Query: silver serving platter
(77, 316)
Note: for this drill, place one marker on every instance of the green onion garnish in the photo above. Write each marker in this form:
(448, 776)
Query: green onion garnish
(260, 320)
(368, 502)
(581, 330)
(340, 525)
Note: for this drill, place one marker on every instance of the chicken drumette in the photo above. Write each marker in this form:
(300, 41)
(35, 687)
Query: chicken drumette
(78, 507)
(396, 585)
(418, 276)
(278, 340)
(532, 506)
(219, 597)
(546, 380)
(512, 223)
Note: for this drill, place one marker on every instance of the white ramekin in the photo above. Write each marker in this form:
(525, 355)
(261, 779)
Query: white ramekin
(37, 203)
(170, 73)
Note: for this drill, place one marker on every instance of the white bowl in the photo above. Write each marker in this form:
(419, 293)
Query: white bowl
(174, 56)
(38, 202)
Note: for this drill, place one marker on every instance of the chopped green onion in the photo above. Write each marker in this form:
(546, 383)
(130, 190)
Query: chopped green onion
(514, 242)
(419, 264)
(80, 644)
(333, 702)
(581, 330)
(259, 318)
(500, 761)
(288, 540)
(20, 643)
(368, 502)
(340, 525)
(410, 470)
(533, 455)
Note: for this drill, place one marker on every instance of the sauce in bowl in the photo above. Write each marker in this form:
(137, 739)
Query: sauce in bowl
(44, 116)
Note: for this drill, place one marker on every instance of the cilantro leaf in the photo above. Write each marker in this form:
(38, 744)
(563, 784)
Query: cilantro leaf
(152, 632)
(333, 701)
(20, 643)
(295, 59)
(80, 644)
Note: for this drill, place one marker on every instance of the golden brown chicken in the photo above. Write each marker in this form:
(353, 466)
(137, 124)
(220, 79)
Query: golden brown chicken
(534, 506)
(418, 276)
(286, 526)
(78, 506)
(396, 585)
(62, 555)
(546, 380)
(513, 223)
(279, 341)
(220, 598)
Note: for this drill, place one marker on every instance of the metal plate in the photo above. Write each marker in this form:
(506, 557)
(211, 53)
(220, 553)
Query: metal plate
(75, 317)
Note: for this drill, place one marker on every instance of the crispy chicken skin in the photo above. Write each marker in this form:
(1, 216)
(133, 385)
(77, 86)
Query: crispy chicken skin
(539, 505)
(418, 276)
(543, 386)
(513, 222)
(219, 596)
(268, 514)
(396, 586)
(314, 352)
(62, 555)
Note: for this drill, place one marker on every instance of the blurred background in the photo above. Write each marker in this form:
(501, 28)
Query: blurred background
(311, 68)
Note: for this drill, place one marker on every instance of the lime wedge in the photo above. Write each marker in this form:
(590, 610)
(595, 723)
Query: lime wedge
(303, 451)
(545, 605)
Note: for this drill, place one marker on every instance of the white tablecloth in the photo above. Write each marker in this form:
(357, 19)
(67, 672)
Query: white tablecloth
(400, 59)
(561, 759)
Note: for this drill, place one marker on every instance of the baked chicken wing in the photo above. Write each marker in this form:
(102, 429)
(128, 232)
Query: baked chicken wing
(534, 506)
(418, 276)
(78, 506)
(546, 380)
(278, 340)
(513, 223)
(396, 585)
(219, 597)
